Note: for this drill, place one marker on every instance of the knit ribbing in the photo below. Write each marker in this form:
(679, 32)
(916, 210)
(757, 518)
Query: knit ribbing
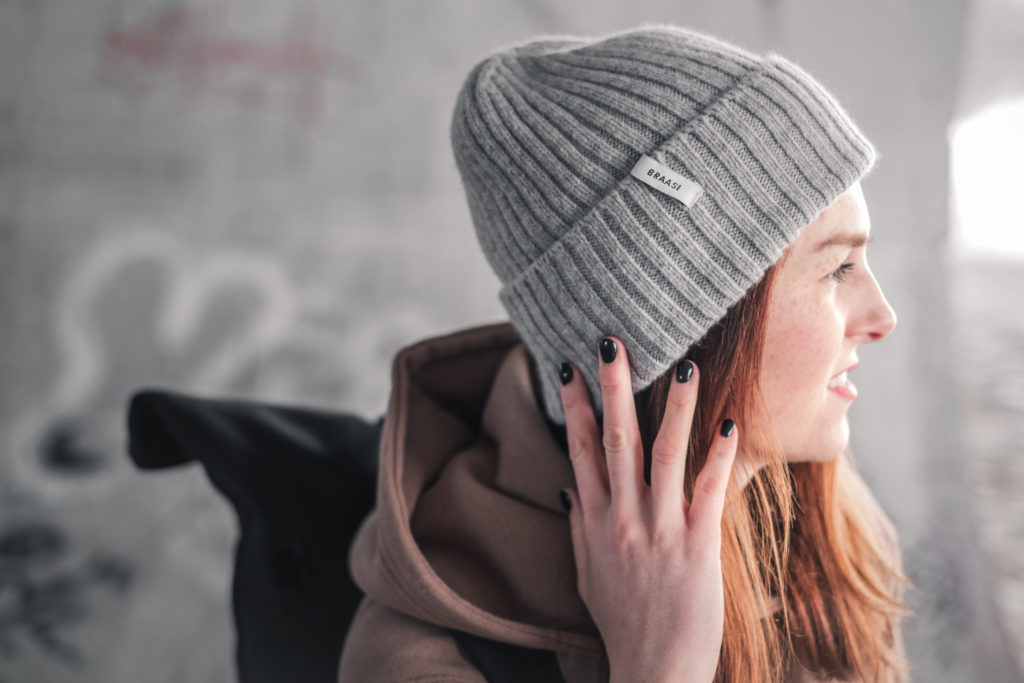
(545, 134)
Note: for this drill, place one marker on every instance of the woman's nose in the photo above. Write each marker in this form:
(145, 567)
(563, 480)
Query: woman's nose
(879, 319)
(886, 321)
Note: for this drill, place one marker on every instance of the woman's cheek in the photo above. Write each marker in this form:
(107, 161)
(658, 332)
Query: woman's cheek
(797, 328)
(783, 373)
(801, 347)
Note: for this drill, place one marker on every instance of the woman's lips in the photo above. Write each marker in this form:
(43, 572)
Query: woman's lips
(842, 386)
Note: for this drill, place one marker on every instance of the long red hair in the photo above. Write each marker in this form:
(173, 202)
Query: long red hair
(797, 532)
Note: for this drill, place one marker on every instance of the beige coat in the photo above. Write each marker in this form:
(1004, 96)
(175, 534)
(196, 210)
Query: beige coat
(468, 532)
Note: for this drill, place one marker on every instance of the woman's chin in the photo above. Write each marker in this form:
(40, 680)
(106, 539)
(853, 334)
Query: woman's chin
(823, 450)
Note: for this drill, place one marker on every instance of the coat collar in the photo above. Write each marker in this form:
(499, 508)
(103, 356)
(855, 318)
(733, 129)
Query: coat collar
(468, 532)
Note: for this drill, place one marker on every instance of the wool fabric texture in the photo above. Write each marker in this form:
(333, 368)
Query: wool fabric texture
(545, 134)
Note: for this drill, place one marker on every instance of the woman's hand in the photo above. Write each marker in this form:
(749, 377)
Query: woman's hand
(648, 561)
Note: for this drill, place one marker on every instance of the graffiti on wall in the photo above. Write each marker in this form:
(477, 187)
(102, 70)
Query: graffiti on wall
(74, 427)
(192, 48)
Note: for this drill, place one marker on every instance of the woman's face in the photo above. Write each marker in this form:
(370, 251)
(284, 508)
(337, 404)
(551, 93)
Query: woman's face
(825, 303)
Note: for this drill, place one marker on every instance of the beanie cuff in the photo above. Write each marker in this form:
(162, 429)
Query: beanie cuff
(770, 154)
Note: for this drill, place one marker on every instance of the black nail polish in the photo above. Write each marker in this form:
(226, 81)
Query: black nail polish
(566, 500)
(608, 350)
(684, 371)
(565, 373)
(727, 426)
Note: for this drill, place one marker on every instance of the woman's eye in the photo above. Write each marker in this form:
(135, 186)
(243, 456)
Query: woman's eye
(841, 273)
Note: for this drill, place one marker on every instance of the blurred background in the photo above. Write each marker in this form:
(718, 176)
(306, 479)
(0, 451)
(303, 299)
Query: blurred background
(258, 200)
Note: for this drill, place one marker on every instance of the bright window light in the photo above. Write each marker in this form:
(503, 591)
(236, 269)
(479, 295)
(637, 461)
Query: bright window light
(987, 166)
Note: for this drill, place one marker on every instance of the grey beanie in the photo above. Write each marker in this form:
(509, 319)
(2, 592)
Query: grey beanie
(637, 184)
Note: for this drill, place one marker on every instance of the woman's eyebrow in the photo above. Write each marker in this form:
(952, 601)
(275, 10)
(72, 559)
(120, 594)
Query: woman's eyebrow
(851, 240)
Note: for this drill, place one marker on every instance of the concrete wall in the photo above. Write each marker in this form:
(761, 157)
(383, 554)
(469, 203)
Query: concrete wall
(258, 199)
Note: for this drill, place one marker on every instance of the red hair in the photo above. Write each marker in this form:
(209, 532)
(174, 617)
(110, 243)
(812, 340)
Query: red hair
(797, 532)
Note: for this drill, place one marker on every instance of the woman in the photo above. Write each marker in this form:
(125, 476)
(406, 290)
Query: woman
(690, 214)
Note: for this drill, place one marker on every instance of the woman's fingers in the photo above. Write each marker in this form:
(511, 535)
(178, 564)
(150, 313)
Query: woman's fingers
(584, 439)
(621, 434)
(668, 454)
(705, 511)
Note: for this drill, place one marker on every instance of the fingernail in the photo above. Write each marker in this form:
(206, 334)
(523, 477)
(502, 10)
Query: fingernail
(727, 426)
(684, 371)
(565, 373)
(608, 350)
(566, 500)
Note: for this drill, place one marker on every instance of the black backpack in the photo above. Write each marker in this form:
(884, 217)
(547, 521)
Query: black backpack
(301, 480)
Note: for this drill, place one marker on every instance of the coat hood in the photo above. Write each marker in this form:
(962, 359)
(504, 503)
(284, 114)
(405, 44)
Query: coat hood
(468, 532)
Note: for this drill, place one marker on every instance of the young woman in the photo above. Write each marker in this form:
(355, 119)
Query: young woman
(650, 560)
(680, 233)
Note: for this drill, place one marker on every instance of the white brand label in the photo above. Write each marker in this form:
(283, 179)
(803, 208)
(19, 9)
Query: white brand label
(661, 177)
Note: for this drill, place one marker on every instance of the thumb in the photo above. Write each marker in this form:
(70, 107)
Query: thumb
(579, 541)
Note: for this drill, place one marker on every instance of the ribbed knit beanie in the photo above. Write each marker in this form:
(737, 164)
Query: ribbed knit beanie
(637, 184)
